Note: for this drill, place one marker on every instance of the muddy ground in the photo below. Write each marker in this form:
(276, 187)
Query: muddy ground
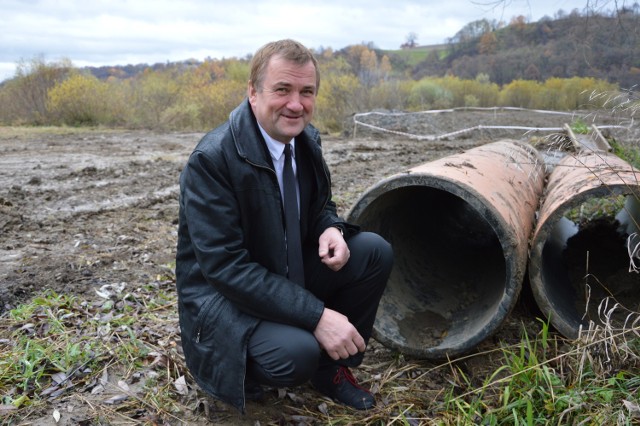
(84, 209)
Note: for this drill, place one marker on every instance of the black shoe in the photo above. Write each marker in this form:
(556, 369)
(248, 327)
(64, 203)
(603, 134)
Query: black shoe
(338, 383)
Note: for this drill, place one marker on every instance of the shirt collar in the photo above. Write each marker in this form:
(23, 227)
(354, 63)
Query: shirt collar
(276, 148)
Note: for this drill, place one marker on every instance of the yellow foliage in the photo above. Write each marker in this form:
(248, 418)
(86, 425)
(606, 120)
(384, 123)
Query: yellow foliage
(391, 94)
(521, 93)
(201, 96)
(562, 94)
(385, 67)
(336, 101)
(25, 96)
(79, 100)
(217, 100)
(154, 93)
(204, 107)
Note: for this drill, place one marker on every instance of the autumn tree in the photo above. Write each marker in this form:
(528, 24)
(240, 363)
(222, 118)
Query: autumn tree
(428, 93)
(521, 93)
(153, 93)
(207, 95)
(488, 43)
(214, 103)
(25, 96)
(485, 91)
(411, 40)
(341, 94)
(392, 94)
(532, 73)
(472, 31)
(82, 99)
(368, 68)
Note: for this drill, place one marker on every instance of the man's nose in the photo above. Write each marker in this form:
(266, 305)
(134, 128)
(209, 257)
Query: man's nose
(295, 102)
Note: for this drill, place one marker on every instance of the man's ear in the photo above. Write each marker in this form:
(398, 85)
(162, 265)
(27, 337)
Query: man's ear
(251, 92)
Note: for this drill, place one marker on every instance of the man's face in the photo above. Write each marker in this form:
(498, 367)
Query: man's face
(284, 104)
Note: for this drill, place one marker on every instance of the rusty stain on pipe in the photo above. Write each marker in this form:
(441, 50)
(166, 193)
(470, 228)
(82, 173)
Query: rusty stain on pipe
(561, 285)
(460, 228)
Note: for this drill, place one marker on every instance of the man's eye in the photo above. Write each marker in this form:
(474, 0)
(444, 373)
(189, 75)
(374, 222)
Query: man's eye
(281, 90)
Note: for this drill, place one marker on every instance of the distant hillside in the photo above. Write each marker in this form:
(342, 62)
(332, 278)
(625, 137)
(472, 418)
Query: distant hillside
(603, 47)
(415, 55)
(606, 47)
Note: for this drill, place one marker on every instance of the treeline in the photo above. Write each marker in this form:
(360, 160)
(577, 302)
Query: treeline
(201, 97)
(598, 45)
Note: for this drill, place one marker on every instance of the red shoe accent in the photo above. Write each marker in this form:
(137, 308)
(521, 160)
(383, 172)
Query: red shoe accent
(344, 372)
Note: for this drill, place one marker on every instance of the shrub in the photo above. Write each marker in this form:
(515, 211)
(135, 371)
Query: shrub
(428, 94)
(82, 100)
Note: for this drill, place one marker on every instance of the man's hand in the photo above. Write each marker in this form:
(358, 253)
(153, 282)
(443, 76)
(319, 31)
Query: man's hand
(333, 249)
(337, 336)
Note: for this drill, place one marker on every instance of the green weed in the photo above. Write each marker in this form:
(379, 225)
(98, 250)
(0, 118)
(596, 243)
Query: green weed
(540, 384)
(579, 127)
(56, 344)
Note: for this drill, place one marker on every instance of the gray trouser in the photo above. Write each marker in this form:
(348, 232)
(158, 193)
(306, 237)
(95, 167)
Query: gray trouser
(282, 355)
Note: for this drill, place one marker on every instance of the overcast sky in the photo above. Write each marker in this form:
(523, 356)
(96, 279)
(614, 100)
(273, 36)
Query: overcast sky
(121, 32)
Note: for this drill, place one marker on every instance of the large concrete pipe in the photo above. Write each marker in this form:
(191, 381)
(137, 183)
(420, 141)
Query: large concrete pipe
(579, 251)
(459, 227)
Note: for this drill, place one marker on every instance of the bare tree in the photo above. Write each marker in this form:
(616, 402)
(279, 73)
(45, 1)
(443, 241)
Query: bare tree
(412, 39)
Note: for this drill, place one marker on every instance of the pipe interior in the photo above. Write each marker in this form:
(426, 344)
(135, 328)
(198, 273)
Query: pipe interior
(449, 274)
(585, 259)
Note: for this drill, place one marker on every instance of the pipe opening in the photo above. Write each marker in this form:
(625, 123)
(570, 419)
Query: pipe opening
(585, 259)
(449, 275)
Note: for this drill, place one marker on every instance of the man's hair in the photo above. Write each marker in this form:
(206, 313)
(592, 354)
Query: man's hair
(287, 49)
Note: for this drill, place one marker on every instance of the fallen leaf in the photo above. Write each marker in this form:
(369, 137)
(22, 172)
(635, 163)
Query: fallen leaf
(59, 377)
(48, 391)
(57, 392)
(108, 290)
(27, 327)
(116, 399)
(634, 409)
(303, 420)
(104, 378)
(323, 408)
(181, 386)
(97, 389)
(123, 385)
(56, 415)
(103, 294)
(159, 359)
(294, 397)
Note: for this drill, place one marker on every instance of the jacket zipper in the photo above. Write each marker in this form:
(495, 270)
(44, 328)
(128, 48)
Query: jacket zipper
(201, 319)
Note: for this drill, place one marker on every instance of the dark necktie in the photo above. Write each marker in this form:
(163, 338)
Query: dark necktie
(292, 221)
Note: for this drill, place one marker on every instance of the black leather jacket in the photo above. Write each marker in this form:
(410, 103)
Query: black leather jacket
(231, 255)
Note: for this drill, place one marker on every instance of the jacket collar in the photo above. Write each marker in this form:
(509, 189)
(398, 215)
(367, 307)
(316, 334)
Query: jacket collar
(249, 141)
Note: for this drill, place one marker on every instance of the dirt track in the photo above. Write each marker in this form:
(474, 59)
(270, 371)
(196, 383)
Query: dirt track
(80, 210)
